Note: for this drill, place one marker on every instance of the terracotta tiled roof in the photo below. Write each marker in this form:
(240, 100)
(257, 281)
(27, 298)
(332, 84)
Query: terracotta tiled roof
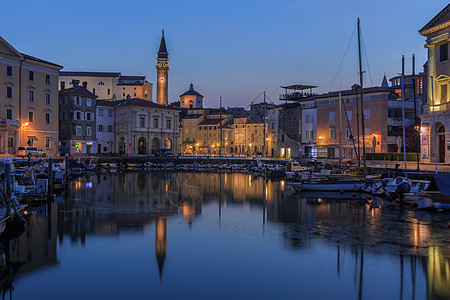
(78, 91)
(210, 122)
(144, 103)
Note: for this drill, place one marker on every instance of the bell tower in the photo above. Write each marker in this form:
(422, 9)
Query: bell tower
(162, 68)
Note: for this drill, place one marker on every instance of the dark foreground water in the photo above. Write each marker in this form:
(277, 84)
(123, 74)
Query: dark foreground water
(223, 236)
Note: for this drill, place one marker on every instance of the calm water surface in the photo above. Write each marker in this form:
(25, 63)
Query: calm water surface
(223, 236)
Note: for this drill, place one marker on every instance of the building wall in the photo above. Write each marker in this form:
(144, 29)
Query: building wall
(107, 87)
(438, 81)
(375, 107)
(309, 130)
(128, 128)
(105, 138)
(187, 100)
(46, 133)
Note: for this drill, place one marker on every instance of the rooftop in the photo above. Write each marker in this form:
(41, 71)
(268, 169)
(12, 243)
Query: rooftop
(78, 91)
(89, 74)
(143, 103)
(40, 60)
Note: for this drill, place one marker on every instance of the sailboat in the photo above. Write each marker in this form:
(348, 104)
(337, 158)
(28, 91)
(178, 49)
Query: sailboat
(347, 184)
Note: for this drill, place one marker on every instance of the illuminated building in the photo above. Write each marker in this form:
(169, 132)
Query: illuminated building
(77, 121)
(162, 67)
(29, 89)
(437, 33)
(108, 85)
(191, 99)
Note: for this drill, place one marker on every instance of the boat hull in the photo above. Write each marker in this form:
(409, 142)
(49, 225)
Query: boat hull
(318, 186)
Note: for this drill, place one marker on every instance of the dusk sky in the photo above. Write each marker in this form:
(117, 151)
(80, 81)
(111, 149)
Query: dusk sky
(233, 49)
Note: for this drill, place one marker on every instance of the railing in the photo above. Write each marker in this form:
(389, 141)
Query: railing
(9, 122)
(438, 108)
(295, 95)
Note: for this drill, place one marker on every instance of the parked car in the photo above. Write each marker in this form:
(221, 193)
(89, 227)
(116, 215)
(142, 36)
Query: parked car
(164, 152)
(31, 151)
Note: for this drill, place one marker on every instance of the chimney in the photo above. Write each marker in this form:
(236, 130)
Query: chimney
(85, 84)
(63, 85)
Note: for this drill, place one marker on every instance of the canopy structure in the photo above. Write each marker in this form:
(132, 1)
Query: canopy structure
(298, 87)
(296, 92)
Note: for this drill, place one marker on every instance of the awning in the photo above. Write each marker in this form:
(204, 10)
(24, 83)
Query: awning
(32, 137)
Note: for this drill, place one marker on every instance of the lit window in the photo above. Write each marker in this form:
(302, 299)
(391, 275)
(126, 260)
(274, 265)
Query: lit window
(47, 142)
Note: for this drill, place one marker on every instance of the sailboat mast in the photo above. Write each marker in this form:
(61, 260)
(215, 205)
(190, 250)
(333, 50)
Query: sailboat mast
(340, 130)
(220, 127)
(362, 102)
(265, 125)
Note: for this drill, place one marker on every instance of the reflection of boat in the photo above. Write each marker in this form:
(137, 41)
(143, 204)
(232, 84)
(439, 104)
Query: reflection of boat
(329, 195)
(441, 198)
(328, 185)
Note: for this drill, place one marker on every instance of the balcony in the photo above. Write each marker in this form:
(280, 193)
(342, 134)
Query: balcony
(295, 96)
(9, 122)
(398, 104)
(438, 108)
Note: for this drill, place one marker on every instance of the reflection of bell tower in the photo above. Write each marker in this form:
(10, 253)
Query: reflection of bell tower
(162, 75)
(161, 243)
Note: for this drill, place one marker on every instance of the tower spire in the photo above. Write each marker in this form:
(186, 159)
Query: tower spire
(162, 68)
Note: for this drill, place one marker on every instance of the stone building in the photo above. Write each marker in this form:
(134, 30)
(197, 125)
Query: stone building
(435, 119)
(29, 93)
(284, 130)
(144, 128)
(77, 121)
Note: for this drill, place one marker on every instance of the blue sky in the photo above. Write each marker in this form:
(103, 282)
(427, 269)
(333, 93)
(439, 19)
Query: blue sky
(233, 49)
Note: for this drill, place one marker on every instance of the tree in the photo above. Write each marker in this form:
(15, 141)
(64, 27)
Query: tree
(175, 104)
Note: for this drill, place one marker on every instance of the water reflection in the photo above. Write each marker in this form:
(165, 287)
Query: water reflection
(359, 247)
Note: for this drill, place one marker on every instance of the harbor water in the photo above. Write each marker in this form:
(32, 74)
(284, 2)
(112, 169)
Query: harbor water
(181, 235)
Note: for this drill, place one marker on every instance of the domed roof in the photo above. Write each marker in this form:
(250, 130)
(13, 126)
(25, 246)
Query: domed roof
(191, 92)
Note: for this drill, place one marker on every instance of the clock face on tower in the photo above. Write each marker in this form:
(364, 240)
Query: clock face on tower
(161, 79)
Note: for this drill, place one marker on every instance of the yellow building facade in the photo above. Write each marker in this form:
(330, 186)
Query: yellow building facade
(28, 101)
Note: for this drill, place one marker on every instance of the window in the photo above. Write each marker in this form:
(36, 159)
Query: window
(47, 79)
(76, 101)
(100, 112)
(367, 131)
(77, 115)
(443, 93)
(31, 75)
(349, 115)
(93, 91)
(332, 133)
(169, 123)
(88, 116)
(31, 116)
(9, 71)
(109, 91)
(31, 96)
(9, 92)
(47, 98)
(47, 142)
(110, 113)
(443, 52)
(331, 116)
(9, 113)
(367, 114)
(110, 128)
(89, 131)
(155, 122)
(88, 101)
(273, 125)
(10, 142)
(47, 118)
(142, 121)
(78, 130)
(64, 115)
(100, 128)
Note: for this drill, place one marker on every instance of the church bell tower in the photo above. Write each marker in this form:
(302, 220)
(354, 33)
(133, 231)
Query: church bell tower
(162, 68)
